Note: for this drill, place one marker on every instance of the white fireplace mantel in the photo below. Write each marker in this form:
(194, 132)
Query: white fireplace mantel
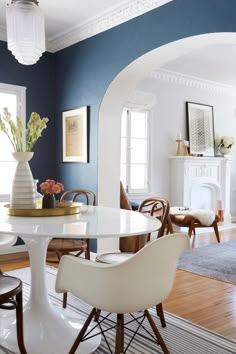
(198, 182)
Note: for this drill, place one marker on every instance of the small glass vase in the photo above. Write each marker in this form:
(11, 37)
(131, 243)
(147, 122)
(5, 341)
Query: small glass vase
(48, 201)
(38, 196)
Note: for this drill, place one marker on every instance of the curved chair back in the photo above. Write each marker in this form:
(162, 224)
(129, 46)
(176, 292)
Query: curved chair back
(159, 208)
(90, 197)
(140, 282)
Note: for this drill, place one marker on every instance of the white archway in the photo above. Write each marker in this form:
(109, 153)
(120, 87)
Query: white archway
(114, 100)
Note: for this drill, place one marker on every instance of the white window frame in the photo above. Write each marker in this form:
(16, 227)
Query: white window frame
(130, 191)
(20, 93)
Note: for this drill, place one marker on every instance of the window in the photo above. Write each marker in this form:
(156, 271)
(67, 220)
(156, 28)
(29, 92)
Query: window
(12, 97)
(134, 150)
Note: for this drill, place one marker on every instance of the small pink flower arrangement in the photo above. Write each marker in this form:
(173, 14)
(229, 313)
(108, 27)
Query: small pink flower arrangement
(51, 187)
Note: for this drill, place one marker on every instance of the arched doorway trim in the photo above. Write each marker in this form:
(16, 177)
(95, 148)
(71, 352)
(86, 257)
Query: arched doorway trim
(114, 99)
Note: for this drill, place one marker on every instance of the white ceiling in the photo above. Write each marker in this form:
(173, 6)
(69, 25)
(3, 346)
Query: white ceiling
(69, 21)
(214, 63)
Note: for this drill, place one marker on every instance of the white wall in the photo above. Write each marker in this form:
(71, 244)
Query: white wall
(169, 118)
(114, 100)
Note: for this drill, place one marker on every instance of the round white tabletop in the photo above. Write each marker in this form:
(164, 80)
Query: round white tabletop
(91, 222)
(49, 329)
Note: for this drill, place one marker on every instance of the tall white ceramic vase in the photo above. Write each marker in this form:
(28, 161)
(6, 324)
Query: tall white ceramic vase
(23, 190)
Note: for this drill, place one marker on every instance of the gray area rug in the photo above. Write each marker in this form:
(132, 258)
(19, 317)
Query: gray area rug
(181, 336)
(215, 261)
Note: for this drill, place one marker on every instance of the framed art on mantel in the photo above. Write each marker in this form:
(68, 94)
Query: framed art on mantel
(200, 124)
(75, 135)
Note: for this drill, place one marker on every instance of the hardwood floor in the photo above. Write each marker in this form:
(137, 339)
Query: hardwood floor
(207, 302)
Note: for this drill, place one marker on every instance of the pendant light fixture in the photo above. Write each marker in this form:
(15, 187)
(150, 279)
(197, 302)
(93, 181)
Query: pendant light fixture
(25, 31)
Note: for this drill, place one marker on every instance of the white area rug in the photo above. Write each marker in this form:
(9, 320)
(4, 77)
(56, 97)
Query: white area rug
(181, 336)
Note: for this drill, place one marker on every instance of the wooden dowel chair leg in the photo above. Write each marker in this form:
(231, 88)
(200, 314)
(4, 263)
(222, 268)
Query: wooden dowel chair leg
(191, 229)
(64, 303)
(157, 333)
(97, 314)
(119, 330)
(216, 231)
(122, 333)
(82, 332)
(160, 314)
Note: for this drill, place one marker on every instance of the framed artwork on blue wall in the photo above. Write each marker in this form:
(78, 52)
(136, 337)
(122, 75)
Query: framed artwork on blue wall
(75, 135)
(200, 124)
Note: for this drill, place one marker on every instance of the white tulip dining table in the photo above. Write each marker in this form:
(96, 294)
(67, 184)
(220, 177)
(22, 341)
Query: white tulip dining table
(49, 329)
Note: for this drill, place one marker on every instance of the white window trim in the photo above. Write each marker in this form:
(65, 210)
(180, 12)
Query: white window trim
(139, 192)
(20, 92)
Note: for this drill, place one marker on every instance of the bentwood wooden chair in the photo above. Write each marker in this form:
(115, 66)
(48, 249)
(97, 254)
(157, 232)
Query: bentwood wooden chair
(11, 294)
(132, 286)
(62, 246)
(158, 208)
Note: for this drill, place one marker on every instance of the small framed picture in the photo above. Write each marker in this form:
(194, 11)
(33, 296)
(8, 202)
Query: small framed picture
(75, 135)
(200, 123)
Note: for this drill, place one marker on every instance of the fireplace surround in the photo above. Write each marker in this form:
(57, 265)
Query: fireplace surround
(198, 182)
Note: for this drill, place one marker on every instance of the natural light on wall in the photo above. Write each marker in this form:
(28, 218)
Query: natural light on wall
(12, 97)
(6, 100)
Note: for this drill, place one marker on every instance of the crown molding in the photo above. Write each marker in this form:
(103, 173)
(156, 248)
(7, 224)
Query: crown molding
(115, 16)
(192, 81)
(112, 17)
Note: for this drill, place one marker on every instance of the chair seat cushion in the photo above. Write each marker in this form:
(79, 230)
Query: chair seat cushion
(113, 257)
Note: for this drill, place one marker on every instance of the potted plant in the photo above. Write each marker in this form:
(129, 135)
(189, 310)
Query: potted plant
(49, 188)
(225, 144)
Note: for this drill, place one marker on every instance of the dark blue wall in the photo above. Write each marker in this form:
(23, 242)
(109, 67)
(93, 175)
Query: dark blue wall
(39, 81)
(84, 71)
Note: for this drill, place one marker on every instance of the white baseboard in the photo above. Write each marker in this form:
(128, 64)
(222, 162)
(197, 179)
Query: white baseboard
(14, 249)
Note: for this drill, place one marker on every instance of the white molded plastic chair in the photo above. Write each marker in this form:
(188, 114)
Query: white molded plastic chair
(159, 208)
(6, 241)
(140, 282)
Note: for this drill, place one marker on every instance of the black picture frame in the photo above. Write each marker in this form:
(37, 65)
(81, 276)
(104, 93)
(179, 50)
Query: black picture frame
(200, 128)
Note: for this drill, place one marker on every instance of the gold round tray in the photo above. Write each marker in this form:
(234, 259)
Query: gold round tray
(69, 210)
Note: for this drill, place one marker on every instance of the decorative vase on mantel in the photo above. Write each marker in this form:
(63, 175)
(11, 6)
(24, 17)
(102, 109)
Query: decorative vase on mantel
(224, 151)
(23, 190)
(48, 201)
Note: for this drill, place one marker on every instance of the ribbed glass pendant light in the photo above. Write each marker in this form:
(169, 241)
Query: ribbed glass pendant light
(25, 31)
